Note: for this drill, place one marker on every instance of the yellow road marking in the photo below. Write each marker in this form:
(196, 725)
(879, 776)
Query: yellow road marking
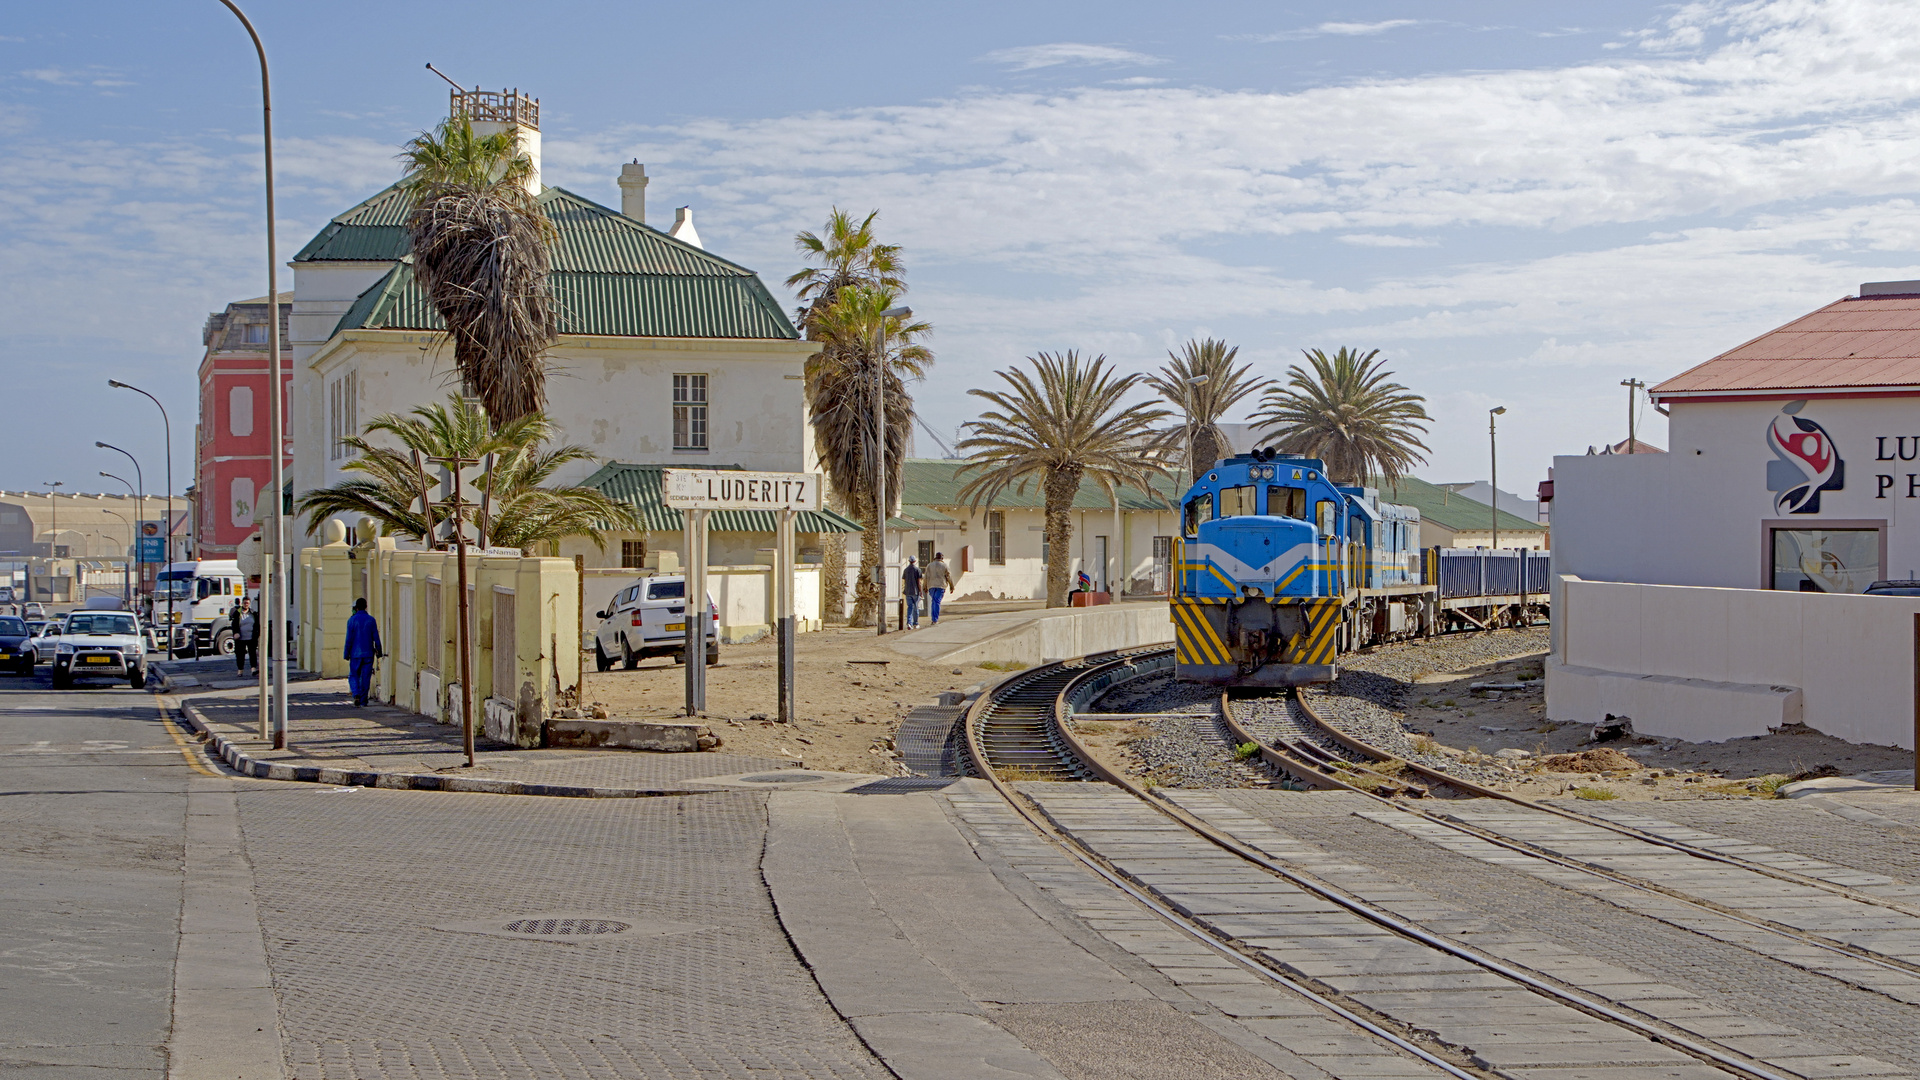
(195, 753)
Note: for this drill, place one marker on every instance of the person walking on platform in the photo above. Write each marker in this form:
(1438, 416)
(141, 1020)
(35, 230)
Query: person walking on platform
(910, 588)
(938, 580)
(246, 638)
(361, 650)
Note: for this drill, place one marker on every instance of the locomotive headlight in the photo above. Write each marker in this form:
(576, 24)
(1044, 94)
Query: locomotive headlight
(1251, 590)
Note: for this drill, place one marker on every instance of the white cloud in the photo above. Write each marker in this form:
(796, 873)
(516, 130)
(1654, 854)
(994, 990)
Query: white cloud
(1030, 57)
(1325, 29)
(88, 76)
(1387, 240)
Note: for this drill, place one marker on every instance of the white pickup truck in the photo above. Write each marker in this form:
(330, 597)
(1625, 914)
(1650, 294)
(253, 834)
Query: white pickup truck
(648, 618)
(98, 643)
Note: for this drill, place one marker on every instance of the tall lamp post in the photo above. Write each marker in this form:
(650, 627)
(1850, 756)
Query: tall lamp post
(139, 494)
(166, 426)
(880, 457)
(53, 543)
(1493, 469)
(126, 566)
(277, 564)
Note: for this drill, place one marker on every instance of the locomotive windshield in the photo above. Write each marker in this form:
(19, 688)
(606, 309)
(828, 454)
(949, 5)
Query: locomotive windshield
(1198, 510)
(1237, 502)
(1287, 502)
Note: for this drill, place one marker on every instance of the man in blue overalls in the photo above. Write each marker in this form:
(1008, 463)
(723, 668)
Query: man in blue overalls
(362, 648)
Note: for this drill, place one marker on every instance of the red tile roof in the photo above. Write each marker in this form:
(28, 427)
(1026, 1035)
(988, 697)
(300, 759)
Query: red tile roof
(1862, 344)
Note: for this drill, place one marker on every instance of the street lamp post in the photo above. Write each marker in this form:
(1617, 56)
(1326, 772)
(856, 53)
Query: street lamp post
(126, 565)
(53, 543)
(140, 493)
(277, 567)
(880, 457)
(166, 426)
(1493, 469)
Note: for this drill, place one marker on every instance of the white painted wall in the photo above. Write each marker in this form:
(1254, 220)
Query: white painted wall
(1693, 516)
(1707, 664)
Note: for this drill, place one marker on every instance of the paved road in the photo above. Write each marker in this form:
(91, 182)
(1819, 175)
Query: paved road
(93, 795)
(160, 919)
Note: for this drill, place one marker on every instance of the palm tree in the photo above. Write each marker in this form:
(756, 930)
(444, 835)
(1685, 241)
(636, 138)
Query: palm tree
(1056, 426)
(480, 249)
(842, 383)
(846, 253)
(1346, 413)
(515, 510)
(1202, 384)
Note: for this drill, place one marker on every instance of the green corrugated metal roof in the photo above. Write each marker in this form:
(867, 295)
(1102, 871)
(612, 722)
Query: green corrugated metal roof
(935, 482)
(1449, 509)
(640, 486)
(619, 305)
(611, 274)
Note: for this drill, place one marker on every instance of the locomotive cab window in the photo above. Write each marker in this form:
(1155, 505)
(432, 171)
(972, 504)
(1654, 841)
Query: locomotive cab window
(1198, 510)
(1287, 502)
(1327, 516)
(1237, 502)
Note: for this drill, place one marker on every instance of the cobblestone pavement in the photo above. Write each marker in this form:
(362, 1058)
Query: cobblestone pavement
(1511, 901)
(352, 884)
(325, 729)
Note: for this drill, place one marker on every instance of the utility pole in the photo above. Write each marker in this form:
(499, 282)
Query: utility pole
(1634, 386)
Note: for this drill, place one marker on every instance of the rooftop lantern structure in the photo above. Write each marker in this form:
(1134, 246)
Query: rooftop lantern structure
(495, 111)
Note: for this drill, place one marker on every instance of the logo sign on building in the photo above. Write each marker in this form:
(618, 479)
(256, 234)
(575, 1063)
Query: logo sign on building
(704, 489)
(152, 546)
(1805, 463)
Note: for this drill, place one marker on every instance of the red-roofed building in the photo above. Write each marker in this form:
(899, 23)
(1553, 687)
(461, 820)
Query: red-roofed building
(1793, 457)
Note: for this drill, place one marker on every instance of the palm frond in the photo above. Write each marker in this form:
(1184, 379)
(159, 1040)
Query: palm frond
(1344, 410)
(1204, 404)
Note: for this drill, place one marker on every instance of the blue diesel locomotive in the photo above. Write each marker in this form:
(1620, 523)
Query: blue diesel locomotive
(1279, 570)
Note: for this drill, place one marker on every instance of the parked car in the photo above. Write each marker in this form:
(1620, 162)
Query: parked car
(648, 618)
(1893, 588)
(44, 633)
(35, 610)
(99, 644)
(16, 645)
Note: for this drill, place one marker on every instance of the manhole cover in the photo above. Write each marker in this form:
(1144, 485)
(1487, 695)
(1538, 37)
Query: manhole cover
(565, 927)
(783, 778)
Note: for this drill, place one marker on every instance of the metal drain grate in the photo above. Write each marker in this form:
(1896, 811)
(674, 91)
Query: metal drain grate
(566, 927)
(904, 785)
(783, 778)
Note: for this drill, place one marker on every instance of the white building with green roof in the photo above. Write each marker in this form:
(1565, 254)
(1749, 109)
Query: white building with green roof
(668, 355)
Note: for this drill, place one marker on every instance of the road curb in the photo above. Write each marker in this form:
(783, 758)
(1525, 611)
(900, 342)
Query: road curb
(248, 765)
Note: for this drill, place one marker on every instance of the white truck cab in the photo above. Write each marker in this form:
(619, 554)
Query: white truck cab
(649, 618)
(98, 641)
(202, 593)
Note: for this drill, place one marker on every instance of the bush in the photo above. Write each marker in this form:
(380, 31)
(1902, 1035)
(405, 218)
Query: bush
(1246, 751)
(1594, 794)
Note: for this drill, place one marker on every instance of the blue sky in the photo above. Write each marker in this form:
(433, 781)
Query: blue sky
(1520, 204)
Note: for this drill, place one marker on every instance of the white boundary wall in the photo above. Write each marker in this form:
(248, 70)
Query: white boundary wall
(1707, 664)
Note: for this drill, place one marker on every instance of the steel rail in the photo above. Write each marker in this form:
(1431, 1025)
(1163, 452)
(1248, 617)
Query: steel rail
(977, 755)
(1479, 832)
(1333, 894)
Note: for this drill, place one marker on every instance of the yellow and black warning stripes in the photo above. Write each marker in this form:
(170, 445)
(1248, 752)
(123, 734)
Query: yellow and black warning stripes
(1323, 623)
(1197, 640)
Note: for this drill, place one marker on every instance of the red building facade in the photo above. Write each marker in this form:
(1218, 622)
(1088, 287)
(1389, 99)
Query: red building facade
(233, 466)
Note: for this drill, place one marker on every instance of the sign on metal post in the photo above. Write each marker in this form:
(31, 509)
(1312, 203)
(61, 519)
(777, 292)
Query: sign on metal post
(151, 545)
(702, 490)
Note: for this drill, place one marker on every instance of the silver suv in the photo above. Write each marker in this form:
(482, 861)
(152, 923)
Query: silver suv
(649, 618)
(98, 644)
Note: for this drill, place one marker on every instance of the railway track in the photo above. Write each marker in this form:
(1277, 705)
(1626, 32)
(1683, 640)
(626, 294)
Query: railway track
(1015, 730)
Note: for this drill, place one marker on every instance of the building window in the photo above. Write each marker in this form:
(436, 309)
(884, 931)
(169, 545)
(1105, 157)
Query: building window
(1825, 560)
(240, 502)
(240, 411)
(1162, 564)
(343, 420)
(254, 334)
(996, 538)
(633, 554)
(689, 412)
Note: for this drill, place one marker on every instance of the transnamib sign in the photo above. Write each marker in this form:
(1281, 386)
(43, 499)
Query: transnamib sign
(703, 489)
